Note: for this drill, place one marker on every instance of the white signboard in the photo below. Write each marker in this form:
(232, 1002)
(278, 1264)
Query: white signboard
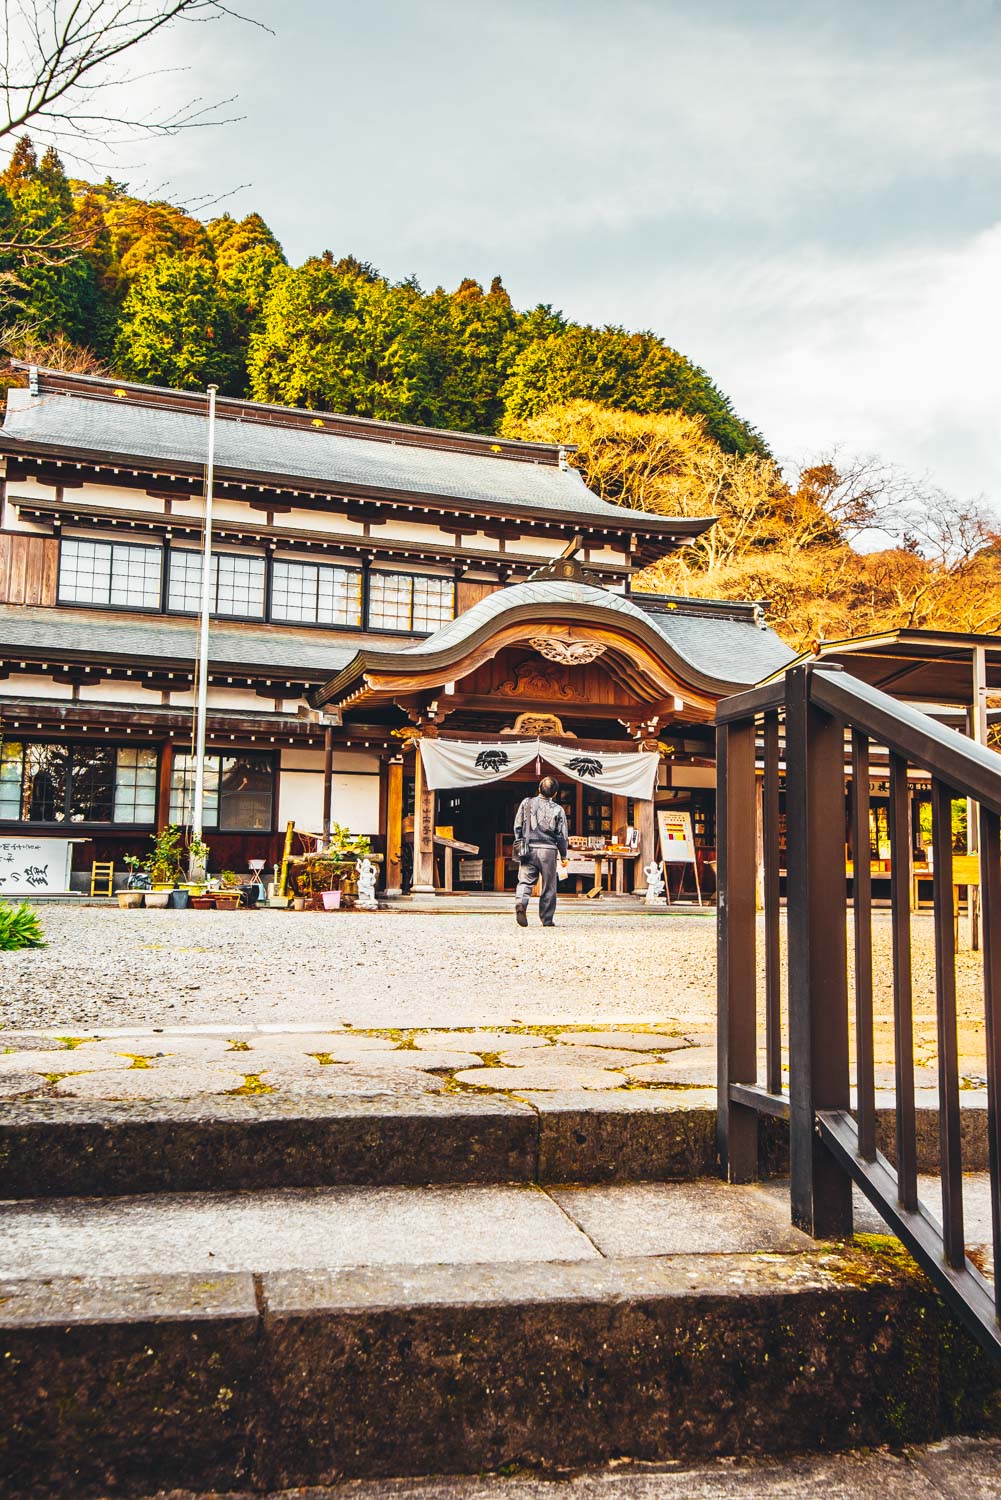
(30, 867)
(677, 844)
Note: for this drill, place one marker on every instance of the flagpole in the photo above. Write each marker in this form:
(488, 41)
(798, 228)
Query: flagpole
(197, 811)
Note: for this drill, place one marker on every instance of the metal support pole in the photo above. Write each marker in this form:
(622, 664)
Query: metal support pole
(328, 777)
(197, 811)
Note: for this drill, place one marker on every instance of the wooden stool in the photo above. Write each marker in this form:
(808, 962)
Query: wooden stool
(102, 877)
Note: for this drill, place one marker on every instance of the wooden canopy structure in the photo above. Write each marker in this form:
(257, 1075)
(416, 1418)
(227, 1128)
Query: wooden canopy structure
(558, 657)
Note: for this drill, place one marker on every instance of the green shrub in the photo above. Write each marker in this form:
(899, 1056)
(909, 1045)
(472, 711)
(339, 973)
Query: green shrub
(19, 928)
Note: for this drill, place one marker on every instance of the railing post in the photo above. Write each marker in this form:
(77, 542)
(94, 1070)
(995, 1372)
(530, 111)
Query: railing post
(737, 1126)
(818, 964)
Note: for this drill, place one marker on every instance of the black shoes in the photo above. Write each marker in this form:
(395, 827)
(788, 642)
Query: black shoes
(520, 915)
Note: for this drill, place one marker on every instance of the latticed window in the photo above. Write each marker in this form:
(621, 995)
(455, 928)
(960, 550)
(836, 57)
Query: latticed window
(119, 575)
(238, 791)
(135, 786)
(404, 602)
(315, 594)
(77, 783)
(11, 773)
(237, 584)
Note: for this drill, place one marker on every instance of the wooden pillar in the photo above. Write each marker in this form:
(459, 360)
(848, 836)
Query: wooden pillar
(423, 831)
(163, 785)
(645, 822)
(328, 780)
(759, 842)
(978, 733)
(394, 827)
(620, 812)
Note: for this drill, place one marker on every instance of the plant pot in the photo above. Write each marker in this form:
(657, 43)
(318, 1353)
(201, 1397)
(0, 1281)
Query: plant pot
(299, 903)
(278, 903)
(178, 900)
(163, 885)
(158, 898)
(226, 900)
(130, 900)
(331, 900)
(193, 887)
(203, 903)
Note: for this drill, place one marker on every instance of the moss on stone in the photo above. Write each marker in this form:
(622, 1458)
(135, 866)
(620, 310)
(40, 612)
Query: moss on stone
(252, 1083)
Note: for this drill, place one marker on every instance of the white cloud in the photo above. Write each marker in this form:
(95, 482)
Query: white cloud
(895, 353)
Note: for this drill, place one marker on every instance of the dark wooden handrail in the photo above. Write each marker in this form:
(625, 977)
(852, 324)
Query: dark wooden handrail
(969, 769)
(815, 721)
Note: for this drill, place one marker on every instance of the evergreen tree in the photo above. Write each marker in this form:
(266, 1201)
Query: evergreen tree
(475, 340)
(22, 167)
(52, 290)
(176, 328)
(247, 257)
(629, 371)
(304, 350)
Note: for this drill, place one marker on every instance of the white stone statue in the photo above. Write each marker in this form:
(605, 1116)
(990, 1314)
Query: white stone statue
(367, 876)
(654, 883)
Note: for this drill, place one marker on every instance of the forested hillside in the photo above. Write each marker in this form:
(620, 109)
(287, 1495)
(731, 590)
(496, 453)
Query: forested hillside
(150, 293)
(94, 278)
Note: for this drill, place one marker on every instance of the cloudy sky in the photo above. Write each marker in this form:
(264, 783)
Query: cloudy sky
(803, 197)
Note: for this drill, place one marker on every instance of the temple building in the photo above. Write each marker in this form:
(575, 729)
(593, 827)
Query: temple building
(407, 624)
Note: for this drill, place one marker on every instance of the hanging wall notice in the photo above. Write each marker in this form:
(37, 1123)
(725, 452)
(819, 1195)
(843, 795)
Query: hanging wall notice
(677, 844)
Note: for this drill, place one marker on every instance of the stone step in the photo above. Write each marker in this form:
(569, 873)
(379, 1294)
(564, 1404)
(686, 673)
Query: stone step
(955, 1468)
(257, 1381)
(66, 1147)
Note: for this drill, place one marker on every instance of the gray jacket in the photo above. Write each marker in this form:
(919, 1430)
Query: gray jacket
(529, 822)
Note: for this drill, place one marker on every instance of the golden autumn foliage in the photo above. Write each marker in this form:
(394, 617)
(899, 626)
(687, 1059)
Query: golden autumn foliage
(845, 548)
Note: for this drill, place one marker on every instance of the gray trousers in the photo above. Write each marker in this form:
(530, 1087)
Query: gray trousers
(539, 861)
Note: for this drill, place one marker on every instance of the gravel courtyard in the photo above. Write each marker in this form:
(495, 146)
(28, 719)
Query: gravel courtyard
(105, 968)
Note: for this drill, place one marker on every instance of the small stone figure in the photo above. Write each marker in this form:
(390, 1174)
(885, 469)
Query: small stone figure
(654, 883)
(367, 875)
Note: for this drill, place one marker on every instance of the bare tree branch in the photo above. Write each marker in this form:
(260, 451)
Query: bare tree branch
(61, 67)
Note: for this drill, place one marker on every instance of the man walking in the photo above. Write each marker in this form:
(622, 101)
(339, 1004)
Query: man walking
(540, 834)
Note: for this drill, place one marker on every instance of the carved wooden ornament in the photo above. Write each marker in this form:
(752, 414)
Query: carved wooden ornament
(568, 652)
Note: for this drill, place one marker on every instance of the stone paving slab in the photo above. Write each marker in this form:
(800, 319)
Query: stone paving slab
(568, 1056)
(540, 1075)
(143, 1083)
(356, 1082)
(293, 1229)
(701, 1217)
(334, 1228)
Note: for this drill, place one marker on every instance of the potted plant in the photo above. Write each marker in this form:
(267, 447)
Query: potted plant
(164, 863)
(138, 879)
(230, 895)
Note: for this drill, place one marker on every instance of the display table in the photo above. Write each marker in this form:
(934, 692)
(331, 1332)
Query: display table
(35, 866)
(584, 861)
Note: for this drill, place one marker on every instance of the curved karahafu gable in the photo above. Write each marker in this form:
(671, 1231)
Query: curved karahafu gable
(711, 648)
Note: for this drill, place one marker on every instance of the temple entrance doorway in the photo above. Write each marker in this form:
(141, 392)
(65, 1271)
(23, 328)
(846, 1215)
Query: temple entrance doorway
(484, 816)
